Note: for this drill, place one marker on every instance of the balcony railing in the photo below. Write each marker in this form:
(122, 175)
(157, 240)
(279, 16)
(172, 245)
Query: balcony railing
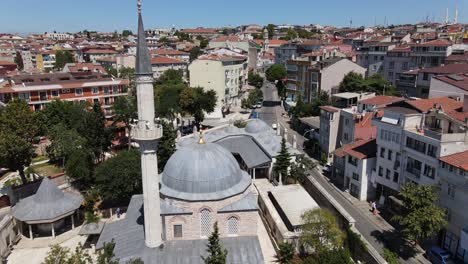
(143, 132)
(414, 171)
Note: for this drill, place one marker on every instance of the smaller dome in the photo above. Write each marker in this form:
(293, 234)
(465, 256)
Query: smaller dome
(257, 126)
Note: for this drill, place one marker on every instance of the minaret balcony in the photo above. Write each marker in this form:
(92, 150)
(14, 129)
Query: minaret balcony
(138, 133)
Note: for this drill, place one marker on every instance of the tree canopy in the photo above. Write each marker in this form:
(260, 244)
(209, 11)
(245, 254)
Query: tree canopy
(275, 72)
(255, 80)
(19, 61)
(283, 161)
(18, 126)
(320, 231)
(166, 146)
(119, 177)
(420, 217)
(194, 53)
(355, 82)
(62, 58)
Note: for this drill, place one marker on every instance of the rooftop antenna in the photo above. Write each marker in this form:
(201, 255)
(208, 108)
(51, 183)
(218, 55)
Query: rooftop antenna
(351, 23)
(455, 20)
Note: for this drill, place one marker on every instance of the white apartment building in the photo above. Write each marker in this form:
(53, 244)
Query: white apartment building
(59, 36)
(453, 173)
(412, 135)
(358, 160)
(226, 75)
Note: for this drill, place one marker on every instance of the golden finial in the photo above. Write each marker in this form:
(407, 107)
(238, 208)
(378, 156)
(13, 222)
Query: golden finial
(139, 6)
(200, 138)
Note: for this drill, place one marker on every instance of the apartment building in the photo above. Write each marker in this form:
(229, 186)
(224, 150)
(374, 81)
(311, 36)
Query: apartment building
(292, 50)
(453, 85)
(59, 36)
(160, 64)
(92, 55)
(356, 161)
(430, 54)
(396, 61)
(27, 57)
(174, 54)
(40, 89)
(453, 173)
(417, 82)
(238, 42)
(372, 55)
(329, 124)
(226, 75)
(308, 78)
(411, 136)
(45, 60)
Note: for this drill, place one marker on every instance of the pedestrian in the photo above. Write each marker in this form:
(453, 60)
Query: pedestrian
(117, 211)
(373, 206)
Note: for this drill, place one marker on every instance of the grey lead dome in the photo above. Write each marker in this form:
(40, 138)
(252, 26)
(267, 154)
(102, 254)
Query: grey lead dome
(257, 126)
(203, 172)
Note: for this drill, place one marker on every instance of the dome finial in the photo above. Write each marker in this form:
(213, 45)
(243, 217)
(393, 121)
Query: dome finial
(139, 6)
(200, 139)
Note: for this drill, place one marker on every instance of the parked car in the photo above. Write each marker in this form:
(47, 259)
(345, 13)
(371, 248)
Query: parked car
(439, 256)
(274, 126)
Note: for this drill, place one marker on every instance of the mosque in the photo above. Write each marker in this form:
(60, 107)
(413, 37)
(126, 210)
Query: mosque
(202, 183)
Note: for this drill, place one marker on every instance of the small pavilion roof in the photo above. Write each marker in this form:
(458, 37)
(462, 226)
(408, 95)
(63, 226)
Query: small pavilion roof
(48, 204)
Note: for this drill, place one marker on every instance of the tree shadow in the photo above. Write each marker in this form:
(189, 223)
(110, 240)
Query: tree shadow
(396, 243)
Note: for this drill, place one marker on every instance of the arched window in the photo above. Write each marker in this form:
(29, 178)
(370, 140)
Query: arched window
(205, 222)
(232, 225)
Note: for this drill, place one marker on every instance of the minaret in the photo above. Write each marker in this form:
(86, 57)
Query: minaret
(147, 134)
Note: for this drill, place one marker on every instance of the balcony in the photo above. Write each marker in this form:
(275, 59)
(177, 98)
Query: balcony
(436, 133)
(415, 172)
(143, 132)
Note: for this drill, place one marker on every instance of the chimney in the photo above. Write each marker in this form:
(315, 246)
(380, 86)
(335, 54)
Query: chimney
(465, 103)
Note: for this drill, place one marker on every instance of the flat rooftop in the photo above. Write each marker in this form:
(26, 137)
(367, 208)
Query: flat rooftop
(293, 201)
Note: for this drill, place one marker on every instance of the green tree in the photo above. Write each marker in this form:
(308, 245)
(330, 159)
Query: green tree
(94, 130)
(216, 253)
(164, 40)
(119, 177)
(320, 231)
(285, 253)
(255, 80)
(18, 127)
(80, 256)
(167, 98)
(63, 142)
(166, 146)
(302, 33)
(62, 58)
(183, 36)
(171, 76)
(390, 256)
(337, 256)
(194, 53)
(275, 72)
(421, 217)
(355, 82)
(271, 30)
(19, 61)
(57, 254)
(79, 166)
(281, 89)
(300, 168)
(204, 43)
(106, 255)
(196, 101)
(125, 109)
(290, 34)
(126, 33)
(283, 161)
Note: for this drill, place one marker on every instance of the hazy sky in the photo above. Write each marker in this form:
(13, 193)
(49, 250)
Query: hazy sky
(26, 16)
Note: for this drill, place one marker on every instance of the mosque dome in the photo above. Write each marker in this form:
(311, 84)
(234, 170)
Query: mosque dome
(203, 172)
(257, 126)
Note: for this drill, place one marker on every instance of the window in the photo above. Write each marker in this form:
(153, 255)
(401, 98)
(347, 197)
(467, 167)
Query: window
(390, 75)
(106, 90)
(387, 174)
(382, 152)
(79, 91)
(55, 93)
(451, 191)
(396, 176)
(346, 121)
(425, 76)
(65, 91)
(233, 225)
(389, 136)
(416, 144)
(96, 101)
(405, 66)
(389, 155)
(114, 89)
(205, 223)
(380, 171)
(391, 65)
(345, 136)
(94, 90)
(414, 167)
(355, 176)
(352, 160)
(178, 231)
(431, 150)
(429, 171)
(24, 96)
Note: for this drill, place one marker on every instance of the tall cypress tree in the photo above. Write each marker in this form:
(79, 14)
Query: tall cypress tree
(283, 161)
(216, 253)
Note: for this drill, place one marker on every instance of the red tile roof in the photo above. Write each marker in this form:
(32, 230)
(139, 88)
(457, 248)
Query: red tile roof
(360, 149)
(462, 83)
(446, 103)
(436, 42)
(447, 69)
(458, 57)
(364, 129)
(459, 160)
(460, 116)
(165, 60)
(101, 51)
(329, 108)
(3, 63)
(199, 30)
(271, 42)
(226, 38)
(168, 52)
(382, 100)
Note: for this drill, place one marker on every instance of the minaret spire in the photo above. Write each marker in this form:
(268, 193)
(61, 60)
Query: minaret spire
(147, 134)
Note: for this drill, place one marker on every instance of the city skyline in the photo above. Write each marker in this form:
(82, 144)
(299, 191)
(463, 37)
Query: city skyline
(49, 15)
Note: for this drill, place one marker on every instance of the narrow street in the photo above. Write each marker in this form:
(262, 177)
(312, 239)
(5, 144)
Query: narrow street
(374, 228)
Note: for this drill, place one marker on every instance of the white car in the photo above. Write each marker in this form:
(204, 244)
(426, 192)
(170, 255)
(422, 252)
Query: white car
(274, 126)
